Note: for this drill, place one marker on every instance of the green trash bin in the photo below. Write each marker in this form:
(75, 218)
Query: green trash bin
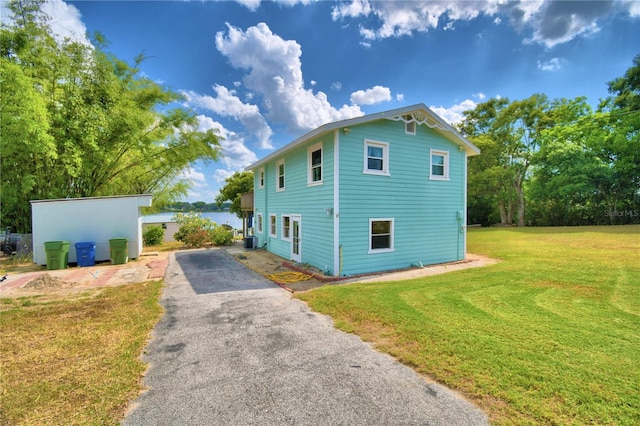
(57, 254)
(119, 251)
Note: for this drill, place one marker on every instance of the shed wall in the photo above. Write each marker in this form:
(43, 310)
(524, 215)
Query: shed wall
(88, 219)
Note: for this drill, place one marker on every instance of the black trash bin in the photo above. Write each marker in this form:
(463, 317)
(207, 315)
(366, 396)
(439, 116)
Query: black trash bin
(248, 242)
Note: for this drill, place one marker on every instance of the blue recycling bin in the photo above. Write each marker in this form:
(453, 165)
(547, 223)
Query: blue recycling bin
(86, 253)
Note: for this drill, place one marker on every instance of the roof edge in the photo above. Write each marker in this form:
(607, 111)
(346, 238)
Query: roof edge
(91, 198)
(442, 125)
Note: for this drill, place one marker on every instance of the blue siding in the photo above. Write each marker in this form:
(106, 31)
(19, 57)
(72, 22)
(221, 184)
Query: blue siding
(299, 198)
(424, 211)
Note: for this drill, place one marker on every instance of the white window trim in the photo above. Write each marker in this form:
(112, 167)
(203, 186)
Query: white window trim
(445, 155)
(282, 231)
(273, 225)
(392, 236)
(261, 178)
(310, 150)
(385, 157)
(259, 223)
(278, 163)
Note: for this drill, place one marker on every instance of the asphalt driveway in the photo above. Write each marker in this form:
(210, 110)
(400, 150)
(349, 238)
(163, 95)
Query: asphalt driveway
(235, 349)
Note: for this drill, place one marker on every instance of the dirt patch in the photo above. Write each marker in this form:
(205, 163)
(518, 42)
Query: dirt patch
(46, 282)
(268, 264)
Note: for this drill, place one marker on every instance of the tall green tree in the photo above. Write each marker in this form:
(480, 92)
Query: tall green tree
(619, 145)
(100, 128)
(566, 187)
(490, 195)
(236, 185)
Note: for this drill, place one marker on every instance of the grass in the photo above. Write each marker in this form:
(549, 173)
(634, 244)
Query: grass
(75, 359)
(551, 335)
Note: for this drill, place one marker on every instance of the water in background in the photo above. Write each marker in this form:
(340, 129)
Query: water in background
(220, 218)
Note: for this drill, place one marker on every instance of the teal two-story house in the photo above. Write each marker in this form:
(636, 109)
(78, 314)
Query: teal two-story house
(379, 192)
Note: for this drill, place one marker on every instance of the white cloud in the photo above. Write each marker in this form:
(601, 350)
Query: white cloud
(253, 5)
(235, 155)
(403, 18)
(66, 21)
(196, 179)
(552, 64)
(400, 97)
(227, 104)
(479, 95)
(221, 175)
(453, 115)
(336, 86)
(549, 22)
(353, 9)
(250, 4)
(371, 96)
(274, 72)
(632, 6)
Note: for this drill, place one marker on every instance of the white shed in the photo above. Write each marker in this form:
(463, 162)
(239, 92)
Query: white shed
(93, 219)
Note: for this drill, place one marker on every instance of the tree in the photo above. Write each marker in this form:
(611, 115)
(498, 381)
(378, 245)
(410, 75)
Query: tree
(566, 186)
(236, 185)
(99, 127)
(28, 150)
(489, 192)
(513, 130)
(199, 205)
(619, 145)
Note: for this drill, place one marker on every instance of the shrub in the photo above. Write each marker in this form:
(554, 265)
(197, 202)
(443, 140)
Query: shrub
(196, 239)
(195, 231)
(221, 236)
(190, 226)
(153, 235)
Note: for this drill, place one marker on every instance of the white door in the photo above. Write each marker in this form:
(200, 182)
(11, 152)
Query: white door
(296, 239)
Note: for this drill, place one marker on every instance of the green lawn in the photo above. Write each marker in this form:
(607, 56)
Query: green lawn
(550, 335)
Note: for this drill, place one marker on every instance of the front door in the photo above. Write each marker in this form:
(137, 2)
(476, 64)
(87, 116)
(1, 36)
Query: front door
(296, 239)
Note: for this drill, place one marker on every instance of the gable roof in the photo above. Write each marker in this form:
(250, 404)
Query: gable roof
(419, 113)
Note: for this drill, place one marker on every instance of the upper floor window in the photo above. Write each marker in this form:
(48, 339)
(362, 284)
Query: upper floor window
(314, 159)
(376, 157)
(280, 175)
(380, 235)
(261, 178)
(439, 169)
(409, 126)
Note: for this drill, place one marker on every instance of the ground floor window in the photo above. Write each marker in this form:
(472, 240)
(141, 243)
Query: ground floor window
(273, 229)
(259, 223)
(380, 235)
(286, 228)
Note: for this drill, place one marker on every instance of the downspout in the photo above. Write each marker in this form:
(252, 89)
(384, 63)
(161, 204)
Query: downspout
(264, 208)
(337, 248)
(464, 206)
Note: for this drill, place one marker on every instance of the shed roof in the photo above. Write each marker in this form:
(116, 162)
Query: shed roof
(144, 200)
(418, 113)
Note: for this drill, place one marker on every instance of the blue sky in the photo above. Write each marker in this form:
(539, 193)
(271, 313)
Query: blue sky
(265, 72)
